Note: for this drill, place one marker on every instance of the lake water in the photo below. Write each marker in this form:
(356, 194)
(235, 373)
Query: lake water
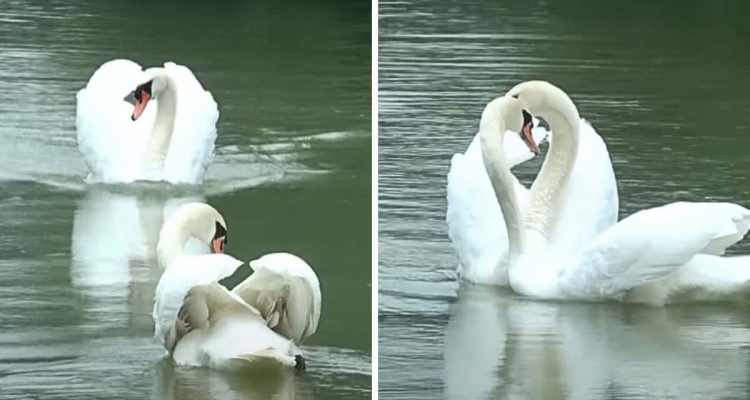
(665, 85)
(292, 172)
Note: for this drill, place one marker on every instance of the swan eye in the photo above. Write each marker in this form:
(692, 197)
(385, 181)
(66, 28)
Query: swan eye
(515, 96)
(526, 117)
(220, 232)
(145, 87)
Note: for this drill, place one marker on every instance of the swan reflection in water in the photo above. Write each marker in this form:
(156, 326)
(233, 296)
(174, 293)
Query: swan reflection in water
(113, 244)
(498, 345)
(173, 382)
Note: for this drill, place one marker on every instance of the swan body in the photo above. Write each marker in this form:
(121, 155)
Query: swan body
(171, 139)
(202, 323)
(651, 256)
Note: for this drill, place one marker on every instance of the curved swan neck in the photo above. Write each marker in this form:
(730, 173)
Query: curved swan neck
(491, 131)
(161, 131)
(172, 239)
(199, 220)
(562, 116)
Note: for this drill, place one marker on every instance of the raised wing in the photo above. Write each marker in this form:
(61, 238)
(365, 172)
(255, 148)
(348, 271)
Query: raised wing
(286, 291)
(649, 244)
(111, 143)
(191, 149)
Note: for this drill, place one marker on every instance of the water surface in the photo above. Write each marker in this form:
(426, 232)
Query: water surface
(665, 85)
(292, 173)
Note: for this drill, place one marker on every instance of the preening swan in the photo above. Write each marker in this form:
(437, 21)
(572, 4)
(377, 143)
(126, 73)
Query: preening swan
(588, 202)
(202, 323)
(649, 247)
(153, 125)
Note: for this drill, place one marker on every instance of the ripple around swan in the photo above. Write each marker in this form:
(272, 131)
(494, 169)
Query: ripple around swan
(282, 159)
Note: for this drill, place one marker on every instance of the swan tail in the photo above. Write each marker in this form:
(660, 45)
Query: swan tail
(732, 233)
(706, 278)
(268, 356)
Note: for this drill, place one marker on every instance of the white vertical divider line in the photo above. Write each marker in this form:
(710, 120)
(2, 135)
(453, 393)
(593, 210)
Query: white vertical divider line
(374, 134)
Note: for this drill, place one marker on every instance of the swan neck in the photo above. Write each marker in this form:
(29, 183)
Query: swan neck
(161, 131)
(502, 181)
(545, 191)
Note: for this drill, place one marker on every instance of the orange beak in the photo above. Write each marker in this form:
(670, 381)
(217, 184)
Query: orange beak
(140, 105)
(217, 245)
(529, 139)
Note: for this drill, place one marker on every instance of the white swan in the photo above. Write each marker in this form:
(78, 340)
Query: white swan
(588, 200)
(474, 220)
(168, 136)
(648, 247)
(202, 323)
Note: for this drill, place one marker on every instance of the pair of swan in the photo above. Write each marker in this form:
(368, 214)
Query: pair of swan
(563, 241)
(475, 220)
(201, 323)
(157, 124)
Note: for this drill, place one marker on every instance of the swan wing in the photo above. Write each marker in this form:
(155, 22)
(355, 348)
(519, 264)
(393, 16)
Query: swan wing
(649, 244)
(475, 222)
(191, 149)
(184, 273)
(590, 201)
(203, 305)
(110, 143)
(286, 291)
(227, 329)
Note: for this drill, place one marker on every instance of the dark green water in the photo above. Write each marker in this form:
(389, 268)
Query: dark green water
(665, 84)
(292, 173)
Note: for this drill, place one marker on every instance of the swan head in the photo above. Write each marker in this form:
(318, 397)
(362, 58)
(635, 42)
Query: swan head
(199, 220)
(501, 115)
(545, 99)
(508, 110)
(152, 82)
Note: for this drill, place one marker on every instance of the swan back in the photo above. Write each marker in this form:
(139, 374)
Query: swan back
(181, 275)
